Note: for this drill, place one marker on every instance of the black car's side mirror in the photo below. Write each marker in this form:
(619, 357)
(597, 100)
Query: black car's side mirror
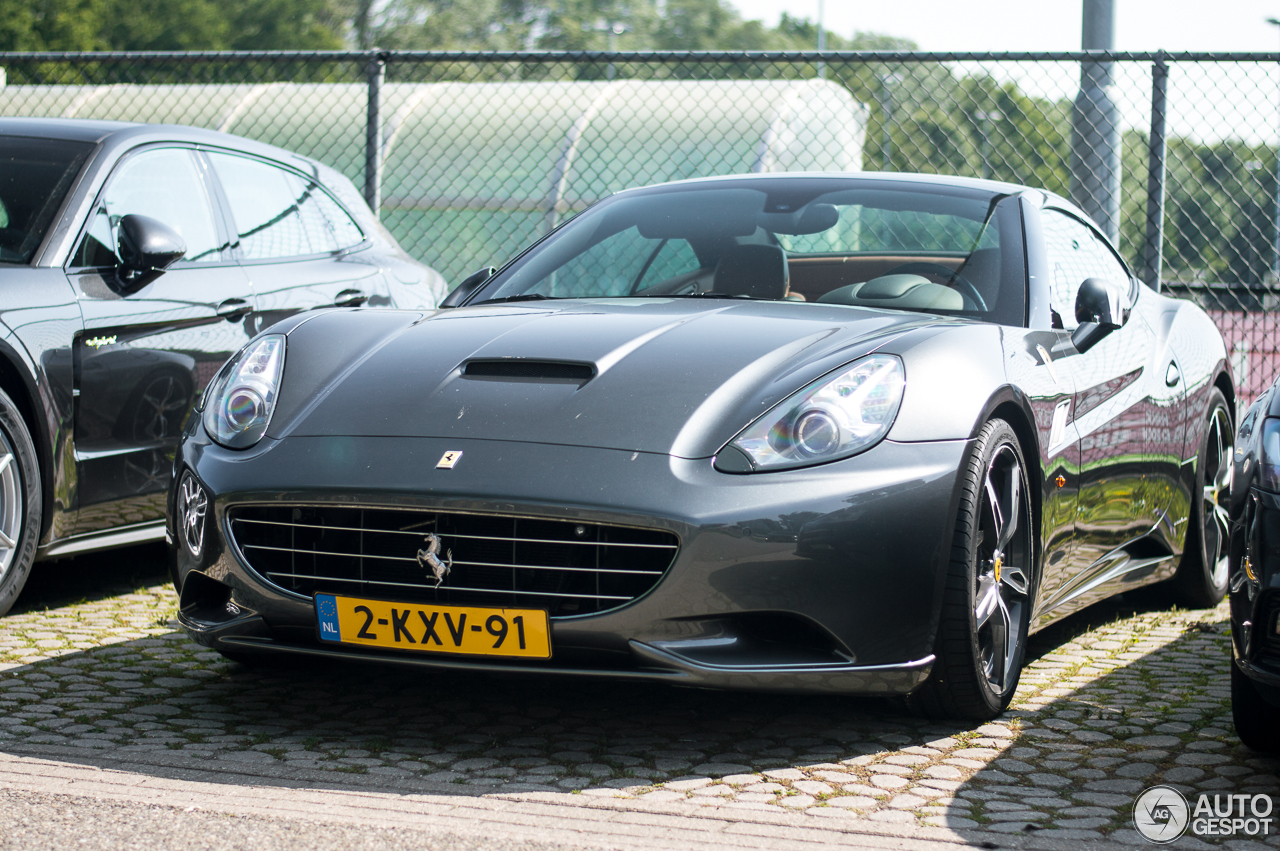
(469, 284)
(147, 248)
(1100, 309)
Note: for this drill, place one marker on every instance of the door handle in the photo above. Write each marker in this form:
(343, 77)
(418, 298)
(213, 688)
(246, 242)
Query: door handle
(1171, 375)
(234, 309)
(350, 298)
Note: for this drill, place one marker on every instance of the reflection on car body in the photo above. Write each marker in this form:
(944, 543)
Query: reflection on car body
(854, 433)
(135, 260)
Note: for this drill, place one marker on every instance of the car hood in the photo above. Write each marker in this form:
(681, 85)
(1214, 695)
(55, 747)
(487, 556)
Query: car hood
(677, 377)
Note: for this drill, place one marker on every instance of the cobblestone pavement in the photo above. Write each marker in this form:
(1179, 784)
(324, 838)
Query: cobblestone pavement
(1114, 700)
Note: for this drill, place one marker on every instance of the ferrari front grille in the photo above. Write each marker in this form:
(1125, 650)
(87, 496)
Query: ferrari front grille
(566, 567)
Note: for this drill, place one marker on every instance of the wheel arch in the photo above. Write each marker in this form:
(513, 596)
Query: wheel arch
(1014, 407)
(1222, 380)
(20, 386)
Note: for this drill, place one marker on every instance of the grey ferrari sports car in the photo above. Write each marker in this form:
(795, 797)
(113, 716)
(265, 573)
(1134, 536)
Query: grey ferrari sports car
(838, 433)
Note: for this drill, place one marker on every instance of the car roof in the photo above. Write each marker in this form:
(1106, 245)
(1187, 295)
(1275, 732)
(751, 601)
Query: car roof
(78, 130)
(995, 187)
(1041, 197)
(126, 134)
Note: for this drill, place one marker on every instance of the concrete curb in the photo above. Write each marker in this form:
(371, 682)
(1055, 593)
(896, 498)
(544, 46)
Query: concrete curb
(542, 816)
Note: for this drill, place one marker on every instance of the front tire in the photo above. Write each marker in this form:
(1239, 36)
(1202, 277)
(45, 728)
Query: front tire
(1201, 580)
(1257, 722)
(20, 503)
(986, 606)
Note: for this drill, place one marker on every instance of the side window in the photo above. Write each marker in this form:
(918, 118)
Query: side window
(1075, 254)
(346, 232)
(279, 214)
(163, 184)
(674, 257)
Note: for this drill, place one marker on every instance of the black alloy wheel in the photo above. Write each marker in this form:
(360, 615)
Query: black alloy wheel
(986, 607)
(1201, 580)
(20, 503)
(1255, 718)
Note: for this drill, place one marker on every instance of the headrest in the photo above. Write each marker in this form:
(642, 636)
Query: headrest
(890, 286)
(759, 271)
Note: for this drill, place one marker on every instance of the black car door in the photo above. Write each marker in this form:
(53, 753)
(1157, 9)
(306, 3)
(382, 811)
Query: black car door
(144, 357)
(298, 246)
(1111, 413)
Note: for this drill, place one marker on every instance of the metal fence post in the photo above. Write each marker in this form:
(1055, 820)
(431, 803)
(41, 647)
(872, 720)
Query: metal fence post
(375, 70)
(1275, 230)
(1153, 251)
(1095, 123)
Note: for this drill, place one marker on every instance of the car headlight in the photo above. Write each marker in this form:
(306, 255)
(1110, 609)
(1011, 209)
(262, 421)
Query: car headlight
(239, 402)
(839, 415)
(1269, 455)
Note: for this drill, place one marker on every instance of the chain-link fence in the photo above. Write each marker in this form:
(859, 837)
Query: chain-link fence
(469, 156)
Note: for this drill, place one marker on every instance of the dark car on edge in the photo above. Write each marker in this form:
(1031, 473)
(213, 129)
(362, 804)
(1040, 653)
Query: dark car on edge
(134, 259)
(1254, 481)
(842, 433)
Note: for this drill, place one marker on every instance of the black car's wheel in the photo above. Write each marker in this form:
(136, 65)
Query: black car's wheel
(986, 607)
(20, 503)
(1257, 722)
(1201, 580)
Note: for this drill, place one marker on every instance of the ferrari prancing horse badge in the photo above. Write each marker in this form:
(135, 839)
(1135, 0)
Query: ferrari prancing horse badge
(448, 459)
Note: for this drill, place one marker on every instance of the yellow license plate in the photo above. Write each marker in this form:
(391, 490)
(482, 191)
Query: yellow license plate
(475, 631)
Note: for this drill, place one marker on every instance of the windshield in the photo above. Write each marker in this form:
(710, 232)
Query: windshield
(35, 175)
(932, 248)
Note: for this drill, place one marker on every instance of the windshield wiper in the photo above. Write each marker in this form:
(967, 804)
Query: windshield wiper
(520, 297)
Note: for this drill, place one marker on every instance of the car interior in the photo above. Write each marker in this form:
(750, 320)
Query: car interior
(35, 175)
(872, 248)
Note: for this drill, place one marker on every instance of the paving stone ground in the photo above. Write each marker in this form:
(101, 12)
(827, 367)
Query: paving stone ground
(1119, 698)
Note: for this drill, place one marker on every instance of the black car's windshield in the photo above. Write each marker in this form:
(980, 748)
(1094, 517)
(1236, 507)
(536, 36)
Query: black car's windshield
(35, 175)
(890, 244)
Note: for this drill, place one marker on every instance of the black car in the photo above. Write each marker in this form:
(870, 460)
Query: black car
(134, 259)
(1254, 482)
(844, 433)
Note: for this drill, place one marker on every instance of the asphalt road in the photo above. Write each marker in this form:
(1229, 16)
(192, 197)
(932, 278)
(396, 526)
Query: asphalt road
(117, 732)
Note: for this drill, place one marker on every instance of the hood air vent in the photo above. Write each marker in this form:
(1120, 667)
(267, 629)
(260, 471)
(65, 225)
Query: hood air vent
(521, 369)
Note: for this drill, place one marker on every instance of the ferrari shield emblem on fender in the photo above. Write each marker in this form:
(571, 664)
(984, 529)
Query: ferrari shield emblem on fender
(430, 559)
(448, 459)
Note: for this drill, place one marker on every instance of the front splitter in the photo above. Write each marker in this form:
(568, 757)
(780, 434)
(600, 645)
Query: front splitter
(654, 665)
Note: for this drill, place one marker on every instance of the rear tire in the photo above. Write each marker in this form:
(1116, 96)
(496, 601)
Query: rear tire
(1201, 580)
(1257, 721)
(986, 606)
(20, 503)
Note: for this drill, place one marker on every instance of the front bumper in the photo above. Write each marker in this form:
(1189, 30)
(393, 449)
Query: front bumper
(1255, 602)
(855, 551)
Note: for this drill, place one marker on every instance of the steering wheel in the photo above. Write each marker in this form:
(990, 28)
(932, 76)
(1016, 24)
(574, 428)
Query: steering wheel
(922, 267)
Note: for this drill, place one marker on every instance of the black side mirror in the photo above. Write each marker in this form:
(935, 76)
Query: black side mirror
(147, 248)
(469, 284)
(1100, 309)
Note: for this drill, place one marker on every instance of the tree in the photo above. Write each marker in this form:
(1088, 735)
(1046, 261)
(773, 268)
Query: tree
(224, 24)
(447, 24)
(51, 24)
